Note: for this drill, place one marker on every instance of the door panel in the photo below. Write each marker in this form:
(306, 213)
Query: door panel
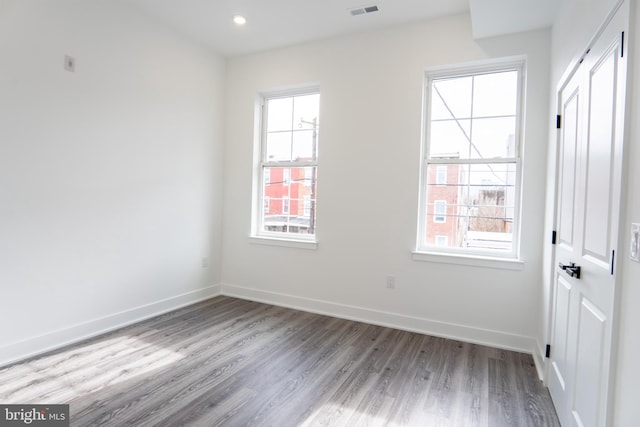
(592, 324)
(568, 168)
(561, 329)
(597, 233)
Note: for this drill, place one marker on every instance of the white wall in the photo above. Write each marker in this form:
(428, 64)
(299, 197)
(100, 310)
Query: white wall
(576, 24)
(110, 177)
(371, 100)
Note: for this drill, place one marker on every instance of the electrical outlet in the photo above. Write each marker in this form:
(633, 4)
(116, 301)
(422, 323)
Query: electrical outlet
(391, 282)
(204, 262)
(69, 63)
(634, 250)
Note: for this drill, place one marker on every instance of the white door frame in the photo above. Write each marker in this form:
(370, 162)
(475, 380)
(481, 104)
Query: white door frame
(623, 7)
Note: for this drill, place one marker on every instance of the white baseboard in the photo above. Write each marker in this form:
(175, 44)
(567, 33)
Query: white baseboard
(62, 337)
(398, 321)
(540, 359)
(34, 346)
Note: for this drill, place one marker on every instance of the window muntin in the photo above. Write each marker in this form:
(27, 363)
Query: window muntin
(288, 166)
(472, 129)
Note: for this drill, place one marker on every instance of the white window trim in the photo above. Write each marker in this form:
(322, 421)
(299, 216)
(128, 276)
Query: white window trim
(286, 243)
(485, 258)
(474, 260)
(258, 234)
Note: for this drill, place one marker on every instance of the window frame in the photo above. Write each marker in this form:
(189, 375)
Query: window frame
(432, 252)
(258, 233)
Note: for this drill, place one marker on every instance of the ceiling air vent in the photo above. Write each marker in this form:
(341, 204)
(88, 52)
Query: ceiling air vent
(363, 10)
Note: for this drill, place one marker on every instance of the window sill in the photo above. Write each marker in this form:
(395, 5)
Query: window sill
(287, 243)
(470, 260)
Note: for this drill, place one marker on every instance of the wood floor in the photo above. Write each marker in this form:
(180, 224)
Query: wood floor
(232, 362)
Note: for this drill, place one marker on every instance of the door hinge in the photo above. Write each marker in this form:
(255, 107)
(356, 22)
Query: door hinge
(547, 351)
(558, 121)
(553, 237)
(613, 260)
(584, 55)
(622, 45)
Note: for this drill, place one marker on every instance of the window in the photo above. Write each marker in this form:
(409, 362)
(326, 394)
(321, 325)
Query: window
(440, 211)
(288, 152)
(470, 181)
(441, 175)
(442, 240)
(266, 205)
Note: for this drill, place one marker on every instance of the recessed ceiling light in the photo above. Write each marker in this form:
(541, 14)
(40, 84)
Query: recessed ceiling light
(239, 20)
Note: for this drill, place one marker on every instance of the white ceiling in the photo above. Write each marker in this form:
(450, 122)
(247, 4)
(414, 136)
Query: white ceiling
(277, 23)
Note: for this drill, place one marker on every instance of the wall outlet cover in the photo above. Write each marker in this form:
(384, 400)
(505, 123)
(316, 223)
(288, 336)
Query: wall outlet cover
(69, 63)
(634, 249)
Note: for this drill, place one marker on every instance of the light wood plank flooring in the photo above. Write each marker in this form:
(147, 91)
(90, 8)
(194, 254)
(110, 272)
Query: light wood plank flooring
(232, 362)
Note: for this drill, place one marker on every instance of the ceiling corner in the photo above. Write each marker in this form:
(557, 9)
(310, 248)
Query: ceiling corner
(491, 18)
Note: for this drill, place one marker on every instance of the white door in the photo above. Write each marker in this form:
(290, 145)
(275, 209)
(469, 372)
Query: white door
(590, 160)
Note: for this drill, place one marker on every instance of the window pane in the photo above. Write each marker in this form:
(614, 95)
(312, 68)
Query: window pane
(493, 138)
(291, 193)
(450, 139)
(474, 116)
(304, 145)
(495, 94)
(279, 114)
(278, 146)
(451, 98)
(475, 209)
(306, 111)
(292, 128)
